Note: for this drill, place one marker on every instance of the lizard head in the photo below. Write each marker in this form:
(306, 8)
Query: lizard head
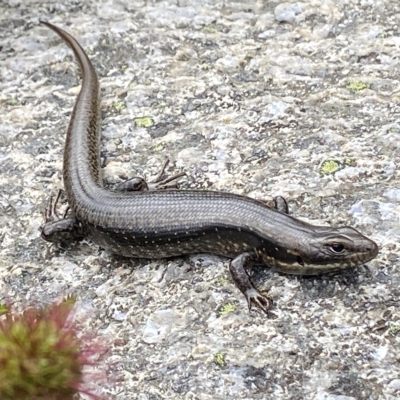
(327, 250)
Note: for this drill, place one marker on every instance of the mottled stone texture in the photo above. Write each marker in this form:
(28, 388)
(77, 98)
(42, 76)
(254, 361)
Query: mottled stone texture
(262, 98)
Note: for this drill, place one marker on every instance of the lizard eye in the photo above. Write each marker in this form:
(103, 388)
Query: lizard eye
(337, 248)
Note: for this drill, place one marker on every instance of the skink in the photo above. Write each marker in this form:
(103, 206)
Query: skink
(166, 223)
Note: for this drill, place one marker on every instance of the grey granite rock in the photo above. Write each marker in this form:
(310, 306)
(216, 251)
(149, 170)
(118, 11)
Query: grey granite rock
(306, 108)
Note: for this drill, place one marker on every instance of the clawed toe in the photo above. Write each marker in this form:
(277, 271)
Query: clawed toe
(263, 302)
(50, 212)
(163, 182)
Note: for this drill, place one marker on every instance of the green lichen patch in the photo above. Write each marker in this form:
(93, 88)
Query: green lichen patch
(118, 106)
(144, 122)
(349, 162)
(210, 29)
(357, 86)
(227, 309)
(220, 359)
(394, 329)
(158, 148)
(12, 102)
(238, 85)
(394, 129)
(329, 167)
(222, 280)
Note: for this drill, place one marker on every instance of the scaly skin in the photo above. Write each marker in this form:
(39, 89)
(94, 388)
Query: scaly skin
(168, 223)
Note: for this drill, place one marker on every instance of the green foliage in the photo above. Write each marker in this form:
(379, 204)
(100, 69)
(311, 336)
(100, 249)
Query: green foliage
(4, 309)
(40, 354)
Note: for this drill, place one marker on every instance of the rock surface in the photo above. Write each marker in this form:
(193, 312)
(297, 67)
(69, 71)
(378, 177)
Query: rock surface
(299, 99)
